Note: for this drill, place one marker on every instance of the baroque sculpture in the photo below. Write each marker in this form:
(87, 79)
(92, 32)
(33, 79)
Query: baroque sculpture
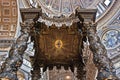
(100, 58)
(15, 59)
(45, 54)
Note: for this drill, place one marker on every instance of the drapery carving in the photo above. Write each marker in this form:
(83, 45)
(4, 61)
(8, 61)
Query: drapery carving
(102, 62)
(14, 61)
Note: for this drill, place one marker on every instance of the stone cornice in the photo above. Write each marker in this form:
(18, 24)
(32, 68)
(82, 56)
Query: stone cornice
(30, 13)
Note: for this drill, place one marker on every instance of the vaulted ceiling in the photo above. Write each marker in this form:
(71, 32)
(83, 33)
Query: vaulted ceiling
(67, 7)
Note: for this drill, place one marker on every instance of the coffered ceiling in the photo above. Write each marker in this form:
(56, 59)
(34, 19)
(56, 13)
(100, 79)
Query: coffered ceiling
(8, 18)
(8, 22)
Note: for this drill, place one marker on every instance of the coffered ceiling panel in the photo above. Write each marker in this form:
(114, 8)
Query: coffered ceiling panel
(8, 18)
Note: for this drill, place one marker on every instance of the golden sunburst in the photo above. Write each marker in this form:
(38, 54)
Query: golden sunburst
(58, 44)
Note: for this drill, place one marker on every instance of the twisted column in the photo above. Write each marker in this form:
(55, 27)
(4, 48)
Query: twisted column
(102, 62)
(15, 59)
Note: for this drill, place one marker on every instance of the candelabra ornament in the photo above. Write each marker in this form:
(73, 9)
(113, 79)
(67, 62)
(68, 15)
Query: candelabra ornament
(15, 59)
(105, 67)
